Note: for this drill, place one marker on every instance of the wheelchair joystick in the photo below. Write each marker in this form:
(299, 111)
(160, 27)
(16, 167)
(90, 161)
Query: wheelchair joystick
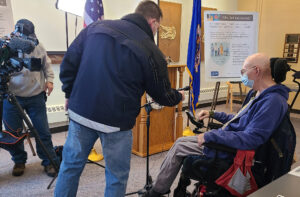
(198, 123)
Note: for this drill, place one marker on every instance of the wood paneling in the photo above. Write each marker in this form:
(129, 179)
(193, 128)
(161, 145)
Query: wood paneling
(165, 126)
(56, 57)
(171, 18)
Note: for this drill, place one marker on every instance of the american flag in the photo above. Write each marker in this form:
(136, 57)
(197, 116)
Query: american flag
(93, 11)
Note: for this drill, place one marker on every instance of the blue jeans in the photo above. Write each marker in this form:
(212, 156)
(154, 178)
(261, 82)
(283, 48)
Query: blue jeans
(116, 148)
(36, 109)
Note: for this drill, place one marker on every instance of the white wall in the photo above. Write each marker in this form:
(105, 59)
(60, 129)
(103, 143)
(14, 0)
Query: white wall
(50, 22)
(221, 5)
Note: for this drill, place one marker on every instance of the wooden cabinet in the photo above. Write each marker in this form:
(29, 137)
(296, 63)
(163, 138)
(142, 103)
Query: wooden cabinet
(165, 125)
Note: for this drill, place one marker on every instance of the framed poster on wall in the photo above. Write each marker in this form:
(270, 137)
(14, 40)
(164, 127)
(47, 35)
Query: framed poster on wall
(291, 47)
(230, 37)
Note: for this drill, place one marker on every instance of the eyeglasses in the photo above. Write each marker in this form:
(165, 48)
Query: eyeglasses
(246, 69)
(157, 24)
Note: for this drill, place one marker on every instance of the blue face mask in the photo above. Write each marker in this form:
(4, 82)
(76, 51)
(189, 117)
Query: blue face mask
(247, 82)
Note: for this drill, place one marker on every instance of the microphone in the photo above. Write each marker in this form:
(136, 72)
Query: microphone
(151, 101)
(18, 44)
(184, 89)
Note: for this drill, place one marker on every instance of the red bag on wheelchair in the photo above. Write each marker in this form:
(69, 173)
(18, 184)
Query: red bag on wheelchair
(238, 179)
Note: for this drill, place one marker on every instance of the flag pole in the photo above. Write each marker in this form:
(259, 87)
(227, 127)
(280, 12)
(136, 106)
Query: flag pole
(187, 131)
(67, 32)
(189, 106)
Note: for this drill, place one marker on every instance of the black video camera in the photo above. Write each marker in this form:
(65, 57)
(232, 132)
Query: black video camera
(12, 55)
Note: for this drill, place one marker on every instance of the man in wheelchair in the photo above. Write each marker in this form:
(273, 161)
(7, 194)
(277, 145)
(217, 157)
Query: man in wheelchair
(249, 129)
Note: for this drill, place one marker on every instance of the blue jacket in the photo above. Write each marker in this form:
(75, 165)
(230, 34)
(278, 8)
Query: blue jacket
(254, 127)
(109, 66)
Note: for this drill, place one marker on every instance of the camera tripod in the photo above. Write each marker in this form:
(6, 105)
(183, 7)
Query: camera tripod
(5, 93)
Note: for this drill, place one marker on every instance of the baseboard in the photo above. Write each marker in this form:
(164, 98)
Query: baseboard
(295, 111)
(59, 129)
(204, 104)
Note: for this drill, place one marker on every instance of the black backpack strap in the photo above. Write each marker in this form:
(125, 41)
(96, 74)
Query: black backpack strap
(274, 158)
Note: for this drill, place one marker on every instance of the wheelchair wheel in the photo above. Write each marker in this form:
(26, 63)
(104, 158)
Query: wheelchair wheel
(220, 192)
(195, 192)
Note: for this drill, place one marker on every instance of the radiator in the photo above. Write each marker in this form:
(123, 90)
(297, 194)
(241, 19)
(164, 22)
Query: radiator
(206, 94)
(56, 114)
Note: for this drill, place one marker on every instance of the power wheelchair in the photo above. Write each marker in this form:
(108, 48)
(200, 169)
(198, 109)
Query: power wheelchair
(271, 160)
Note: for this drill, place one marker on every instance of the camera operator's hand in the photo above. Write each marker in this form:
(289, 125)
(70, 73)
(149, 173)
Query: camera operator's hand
(48, 88)
(182, 94)
(202, 115)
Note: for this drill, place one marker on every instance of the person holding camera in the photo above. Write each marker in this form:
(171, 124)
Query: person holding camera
(30, 90)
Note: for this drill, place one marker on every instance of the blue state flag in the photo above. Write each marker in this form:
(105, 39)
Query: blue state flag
(193, 57)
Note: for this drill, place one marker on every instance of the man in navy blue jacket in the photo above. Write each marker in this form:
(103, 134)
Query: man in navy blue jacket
(247, 130)
(104, 74)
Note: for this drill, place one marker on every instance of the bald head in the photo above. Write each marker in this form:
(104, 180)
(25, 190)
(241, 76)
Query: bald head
(257, 69)
(260, 61)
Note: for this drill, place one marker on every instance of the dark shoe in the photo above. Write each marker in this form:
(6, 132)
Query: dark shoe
(18, 169)
(50, 171)
(180, 190)
(151, 193)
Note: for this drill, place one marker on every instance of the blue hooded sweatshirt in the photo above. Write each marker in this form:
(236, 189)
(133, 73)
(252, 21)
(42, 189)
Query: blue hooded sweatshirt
(254, 127)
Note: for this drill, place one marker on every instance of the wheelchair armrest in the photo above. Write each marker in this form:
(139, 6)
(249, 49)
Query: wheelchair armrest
(220, 147)
(217, 147)
(213, 125)
(208, 168)
(204, 163)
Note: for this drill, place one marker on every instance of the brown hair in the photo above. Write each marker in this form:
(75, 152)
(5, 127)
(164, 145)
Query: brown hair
(149, 9)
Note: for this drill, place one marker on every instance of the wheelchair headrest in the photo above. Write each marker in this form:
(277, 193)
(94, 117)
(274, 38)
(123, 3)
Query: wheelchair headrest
(279, 68)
